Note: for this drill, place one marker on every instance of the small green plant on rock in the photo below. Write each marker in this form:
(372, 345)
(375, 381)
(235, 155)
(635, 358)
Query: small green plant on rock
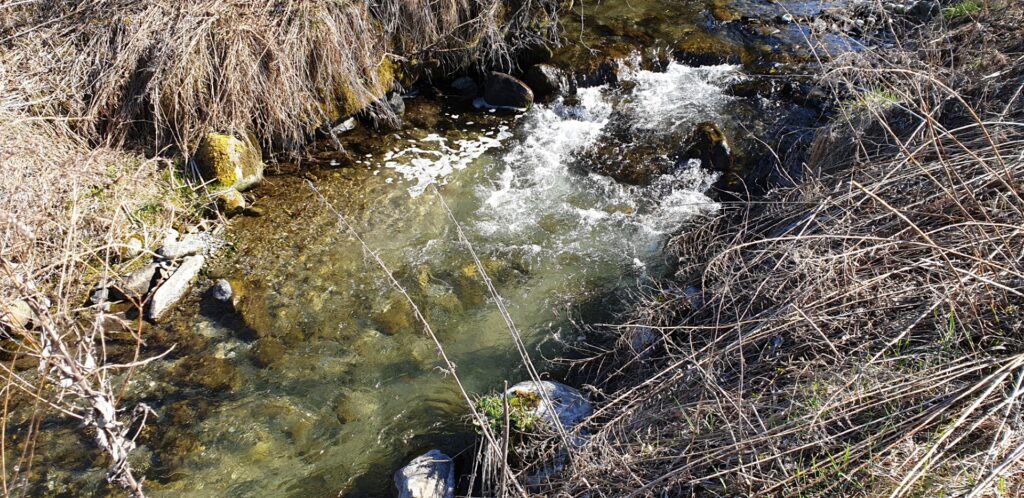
(521, 406)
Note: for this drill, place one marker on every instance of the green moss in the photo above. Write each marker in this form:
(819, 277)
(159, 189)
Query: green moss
(521, 406)
(230, 160)
(961, 9)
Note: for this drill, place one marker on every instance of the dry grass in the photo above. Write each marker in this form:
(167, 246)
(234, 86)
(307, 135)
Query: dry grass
(175, 70)
(858, 335)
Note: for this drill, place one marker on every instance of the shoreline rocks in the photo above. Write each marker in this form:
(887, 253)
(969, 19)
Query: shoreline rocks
(431, 475)
(544, 80)
(167, 296)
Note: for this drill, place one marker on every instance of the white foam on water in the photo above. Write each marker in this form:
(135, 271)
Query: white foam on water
(424, 167)
(598, 216)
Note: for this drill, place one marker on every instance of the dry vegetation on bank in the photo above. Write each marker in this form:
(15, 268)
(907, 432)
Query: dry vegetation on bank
(857, 335)
(100, 99)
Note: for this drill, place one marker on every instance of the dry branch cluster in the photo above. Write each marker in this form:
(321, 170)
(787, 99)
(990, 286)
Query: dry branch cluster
(859, 335)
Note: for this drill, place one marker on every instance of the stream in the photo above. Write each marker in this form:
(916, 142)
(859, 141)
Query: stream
(321, 381)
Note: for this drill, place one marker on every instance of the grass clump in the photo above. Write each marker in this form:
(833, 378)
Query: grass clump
(961, 9)
(521, 407)
(174, 71)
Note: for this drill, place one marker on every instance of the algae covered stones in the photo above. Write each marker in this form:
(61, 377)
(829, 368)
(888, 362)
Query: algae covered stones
(230, 161)
(431, 475)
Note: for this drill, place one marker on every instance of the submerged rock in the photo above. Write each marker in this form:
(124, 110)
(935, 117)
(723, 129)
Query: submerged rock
(503, 90)
(544, 79)
(431, 475)
(230, 161)
(566, 403)
(174, 289)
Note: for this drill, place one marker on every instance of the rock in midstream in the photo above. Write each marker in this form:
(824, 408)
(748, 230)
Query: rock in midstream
(167, 295)
(566, 403)
(431, 475)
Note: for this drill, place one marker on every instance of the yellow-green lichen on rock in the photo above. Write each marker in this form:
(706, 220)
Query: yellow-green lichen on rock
(230, 161)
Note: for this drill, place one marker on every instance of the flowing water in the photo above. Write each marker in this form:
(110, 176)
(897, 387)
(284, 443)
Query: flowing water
(336, 383)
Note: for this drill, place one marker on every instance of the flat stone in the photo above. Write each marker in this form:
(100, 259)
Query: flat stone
(167, 296)
(566, 403)
(139, 282)
(431, 475)
(189, 245)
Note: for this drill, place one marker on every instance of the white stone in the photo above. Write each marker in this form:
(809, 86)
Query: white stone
(566, 403)
(167, 295)
(431, 475)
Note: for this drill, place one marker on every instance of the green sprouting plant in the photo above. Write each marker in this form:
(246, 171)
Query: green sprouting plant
(521, 406)
(961, 9)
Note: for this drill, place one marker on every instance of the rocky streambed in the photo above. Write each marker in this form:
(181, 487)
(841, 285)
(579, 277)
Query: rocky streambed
(298, 370)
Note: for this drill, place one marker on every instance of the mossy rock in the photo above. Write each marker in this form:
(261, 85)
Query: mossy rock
(229, 161)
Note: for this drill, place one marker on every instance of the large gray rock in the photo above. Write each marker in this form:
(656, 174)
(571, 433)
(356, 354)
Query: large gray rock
(505, 91)
(566, 403)
(431, 475)
(177, 285)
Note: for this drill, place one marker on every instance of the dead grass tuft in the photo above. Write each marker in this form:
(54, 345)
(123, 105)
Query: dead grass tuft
(177, 70)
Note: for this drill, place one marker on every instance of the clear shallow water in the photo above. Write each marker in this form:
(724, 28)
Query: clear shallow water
(335, 385)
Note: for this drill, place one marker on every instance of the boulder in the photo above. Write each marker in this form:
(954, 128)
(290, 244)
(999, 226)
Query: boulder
(504, 91)
(431, 475)
(396, 103)
(710, 145)
(139, 282)
(566, 403)
(544, 79)
(230, 161)
(167, 296)
(465, 87)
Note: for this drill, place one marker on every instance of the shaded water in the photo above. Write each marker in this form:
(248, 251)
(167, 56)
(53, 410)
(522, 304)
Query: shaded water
(336, 383)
